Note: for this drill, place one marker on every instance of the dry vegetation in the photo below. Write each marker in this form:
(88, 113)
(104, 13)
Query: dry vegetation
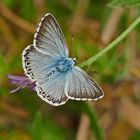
(94, 25)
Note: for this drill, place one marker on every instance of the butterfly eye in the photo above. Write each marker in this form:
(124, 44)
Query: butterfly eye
(74, 60)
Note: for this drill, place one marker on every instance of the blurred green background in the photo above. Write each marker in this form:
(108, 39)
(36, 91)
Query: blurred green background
(24, 116)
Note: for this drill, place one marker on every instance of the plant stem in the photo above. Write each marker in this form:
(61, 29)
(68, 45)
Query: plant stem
(91, 112)
(112, 44)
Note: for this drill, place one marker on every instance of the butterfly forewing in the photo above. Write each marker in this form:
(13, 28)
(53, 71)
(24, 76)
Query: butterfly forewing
(49, 38)
(37, 64)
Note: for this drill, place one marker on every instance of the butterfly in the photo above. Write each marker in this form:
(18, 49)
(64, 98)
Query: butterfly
(46, 62)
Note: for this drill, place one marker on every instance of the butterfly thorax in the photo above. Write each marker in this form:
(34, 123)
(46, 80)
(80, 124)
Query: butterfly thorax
(65, 64)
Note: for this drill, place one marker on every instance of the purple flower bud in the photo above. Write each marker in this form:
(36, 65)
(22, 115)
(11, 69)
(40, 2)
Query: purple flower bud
(21, 82)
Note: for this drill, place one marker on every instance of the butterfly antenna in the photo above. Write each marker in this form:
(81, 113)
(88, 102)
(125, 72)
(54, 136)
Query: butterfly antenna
(72, 40)
(89, 69)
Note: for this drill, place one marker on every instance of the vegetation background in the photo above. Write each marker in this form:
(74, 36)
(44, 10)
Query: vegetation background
(24, 116)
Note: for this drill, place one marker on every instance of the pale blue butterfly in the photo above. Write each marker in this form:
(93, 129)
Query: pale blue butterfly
(46, 63)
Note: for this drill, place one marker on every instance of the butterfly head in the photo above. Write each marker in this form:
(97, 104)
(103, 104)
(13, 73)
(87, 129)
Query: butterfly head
(74, 59)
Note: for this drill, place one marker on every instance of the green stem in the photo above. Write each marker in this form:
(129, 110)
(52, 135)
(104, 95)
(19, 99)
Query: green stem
(94, 122)
(112, 44)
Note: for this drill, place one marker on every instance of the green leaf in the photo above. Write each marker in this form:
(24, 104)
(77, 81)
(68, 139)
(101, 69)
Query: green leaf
(135, 135)
(27, 10)
(37, 127)
(3, 65)
(52, 131)
(124, 3)
(9, 3)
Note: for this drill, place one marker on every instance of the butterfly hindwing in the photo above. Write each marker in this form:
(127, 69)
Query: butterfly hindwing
(52, 90)
(80, 86)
